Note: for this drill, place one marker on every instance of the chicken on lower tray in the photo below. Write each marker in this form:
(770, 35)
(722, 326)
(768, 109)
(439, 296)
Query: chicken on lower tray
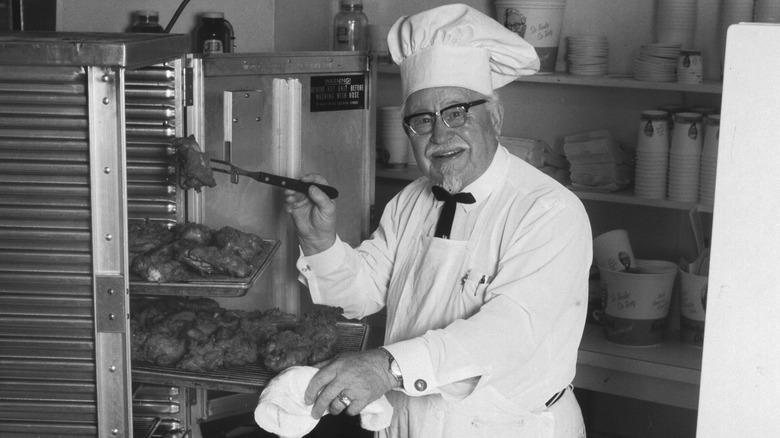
(196, 334)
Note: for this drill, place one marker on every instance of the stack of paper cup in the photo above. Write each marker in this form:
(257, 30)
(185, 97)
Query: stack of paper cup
(652, 155)
(690, 67)
(676, 22)
(766, 11)
(685, 157)
(392, 138)
(709, 159)
(731, 12)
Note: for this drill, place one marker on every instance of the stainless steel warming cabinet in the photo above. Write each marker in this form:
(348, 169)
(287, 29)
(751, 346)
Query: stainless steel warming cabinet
(86, 126)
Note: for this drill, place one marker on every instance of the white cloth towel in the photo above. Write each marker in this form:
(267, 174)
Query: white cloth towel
(281, 409)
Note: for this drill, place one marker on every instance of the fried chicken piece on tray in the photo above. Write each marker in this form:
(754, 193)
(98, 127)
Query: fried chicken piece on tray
(195, 234)
(307, 343)
(144, 236)
(246, 245)
(286, 349)
(161, 265)
(213, 260)
(194, 165)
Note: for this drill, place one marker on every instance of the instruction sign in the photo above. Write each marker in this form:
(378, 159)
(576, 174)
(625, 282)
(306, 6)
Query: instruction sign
(338, 93)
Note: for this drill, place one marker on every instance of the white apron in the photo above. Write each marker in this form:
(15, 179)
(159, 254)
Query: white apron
(428, 292)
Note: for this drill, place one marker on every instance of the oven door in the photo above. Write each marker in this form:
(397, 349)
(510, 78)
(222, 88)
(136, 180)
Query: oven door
(64, 304)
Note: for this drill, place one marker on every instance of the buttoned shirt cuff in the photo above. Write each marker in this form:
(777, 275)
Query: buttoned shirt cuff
(413, 359)
(323, 263)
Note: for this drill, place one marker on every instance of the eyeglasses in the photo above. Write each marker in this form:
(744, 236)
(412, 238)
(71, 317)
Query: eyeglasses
(453, 116)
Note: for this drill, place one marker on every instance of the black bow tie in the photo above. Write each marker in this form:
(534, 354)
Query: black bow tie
(444, 226)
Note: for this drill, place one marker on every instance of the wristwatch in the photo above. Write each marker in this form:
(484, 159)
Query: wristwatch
(394, 368)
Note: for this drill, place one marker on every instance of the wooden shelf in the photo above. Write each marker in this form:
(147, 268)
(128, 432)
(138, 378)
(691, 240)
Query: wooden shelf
(619, 197)
(601, 81)
(669, 373)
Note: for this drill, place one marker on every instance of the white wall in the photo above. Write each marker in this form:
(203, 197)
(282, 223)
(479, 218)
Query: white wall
(627, 24)
(252, 20)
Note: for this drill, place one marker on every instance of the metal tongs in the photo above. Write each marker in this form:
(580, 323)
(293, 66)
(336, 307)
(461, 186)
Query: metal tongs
(274, 180)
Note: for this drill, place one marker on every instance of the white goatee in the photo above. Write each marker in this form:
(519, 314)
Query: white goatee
(451, 179)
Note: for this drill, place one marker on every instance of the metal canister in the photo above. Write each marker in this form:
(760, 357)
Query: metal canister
(214, 34)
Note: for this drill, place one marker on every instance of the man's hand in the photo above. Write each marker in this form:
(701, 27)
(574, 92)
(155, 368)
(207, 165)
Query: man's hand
(314, 216)
(361, 377)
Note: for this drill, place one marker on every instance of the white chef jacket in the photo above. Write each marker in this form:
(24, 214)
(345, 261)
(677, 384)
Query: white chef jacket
(535, 255)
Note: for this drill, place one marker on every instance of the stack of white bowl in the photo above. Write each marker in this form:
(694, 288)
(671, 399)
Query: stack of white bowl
(731, 12)
(685, 157)
(657, 62)
(676, 22)
(652, 155)
(766, 11)
(587, 55)
(709, 159)
(392, 138)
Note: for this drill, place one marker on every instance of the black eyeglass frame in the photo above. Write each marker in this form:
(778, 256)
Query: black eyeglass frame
(465, 105)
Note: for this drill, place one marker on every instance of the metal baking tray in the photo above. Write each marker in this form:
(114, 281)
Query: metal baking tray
(208, 286)
(243, 379)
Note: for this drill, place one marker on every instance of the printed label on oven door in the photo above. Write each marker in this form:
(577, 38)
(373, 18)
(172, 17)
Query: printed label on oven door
(337, 93)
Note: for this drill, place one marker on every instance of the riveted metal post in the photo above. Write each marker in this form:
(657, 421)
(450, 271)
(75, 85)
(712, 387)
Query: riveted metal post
(108, 192)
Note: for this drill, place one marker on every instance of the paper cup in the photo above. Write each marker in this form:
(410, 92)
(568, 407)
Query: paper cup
(538, 22)
(612, 250)
(636, 305)
(693, 305)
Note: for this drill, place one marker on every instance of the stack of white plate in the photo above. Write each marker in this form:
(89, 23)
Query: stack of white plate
(676, 22)
(587, 55)
(731, 12)
(766, 11)
(391, 137)
(709, 159)
(657, 62)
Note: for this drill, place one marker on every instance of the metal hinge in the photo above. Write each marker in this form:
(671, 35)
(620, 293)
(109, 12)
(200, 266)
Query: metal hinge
(110, 311)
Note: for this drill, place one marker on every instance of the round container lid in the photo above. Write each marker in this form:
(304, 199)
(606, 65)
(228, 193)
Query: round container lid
(688, 117)
(712, 119)
(654, 115)
(213, 15)
(148, 13)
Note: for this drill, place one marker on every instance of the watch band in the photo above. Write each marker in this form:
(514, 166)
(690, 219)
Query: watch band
(393, 368)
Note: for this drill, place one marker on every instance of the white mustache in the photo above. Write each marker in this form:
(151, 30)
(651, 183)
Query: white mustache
(450, 146)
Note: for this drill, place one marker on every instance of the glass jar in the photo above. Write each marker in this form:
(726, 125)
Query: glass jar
(214, 34)
(350, 27)
(146, 22)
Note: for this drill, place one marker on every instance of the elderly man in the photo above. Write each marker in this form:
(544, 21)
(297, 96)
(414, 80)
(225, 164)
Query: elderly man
(482, 263)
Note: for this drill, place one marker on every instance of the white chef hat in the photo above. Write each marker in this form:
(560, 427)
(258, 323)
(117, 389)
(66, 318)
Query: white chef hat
(456, 45)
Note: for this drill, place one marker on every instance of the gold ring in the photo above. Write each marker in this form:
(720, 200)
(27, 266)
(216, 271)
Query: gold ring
(344, 399)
